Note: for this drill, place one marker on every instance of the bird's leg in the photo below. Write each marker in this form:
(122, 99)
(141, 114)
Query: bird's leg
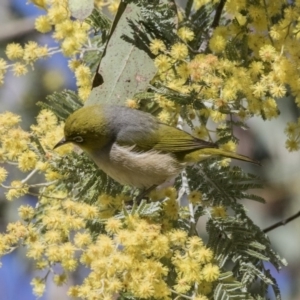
(143, 193)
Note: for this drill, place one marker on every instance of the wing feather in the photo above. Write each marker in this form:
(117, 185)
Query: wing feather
(166, 138)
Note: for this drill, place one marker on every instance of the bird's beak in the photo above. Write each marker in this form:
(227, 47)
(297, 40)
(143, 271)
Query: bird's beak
(63, 141)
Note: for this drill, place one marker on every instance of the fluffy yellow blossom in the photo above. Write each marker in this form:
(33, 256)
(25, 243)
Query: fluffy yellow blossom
(182, 286)
(256, 67)
(73, 64)
(60, 279)
(84, 92)
(82, 239)
(53, 253)
(15, 141)
(200, 132)
(8, 120)
(41, 264)
(83, 75)
(157, 46)
(46, 121)
(3, 174)
(26, 212)
(217, 116)
(164, 116)
(3, 66)
(205, 287)
(19, 69)
(195, 243)
(292, 144)
(217, 43)
(292, 128)
(177, 237)
(113, 225)
(229, 146)
(39, 286)
(70, 46)
(132, 103)
(204, 255)
(17, 190)
(89, 212)
(42, 24)
(113, 7)
(270, 109)
(183, 70)
(210, 272)
(64, 29)
(195, 197)
(18, 229)
(32, 52)
(171, 209)
(267, 53)
(27, 161)
(162, 62)
(278, 90)
(259, 89)
(218, 212)
(67, 250)
(58, 13)
(186, 34)
(53, 236)
(14, 51)
(36, 250)
(73, 291)
(179, 51)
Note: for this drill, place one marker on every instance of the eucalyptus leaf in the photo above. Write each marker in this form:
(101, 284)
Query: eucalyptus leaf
(125, 68)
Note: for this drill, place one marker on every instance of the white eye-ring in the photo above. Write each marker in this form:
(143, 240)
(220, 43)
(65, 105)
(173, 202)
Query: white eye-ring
(78, 139)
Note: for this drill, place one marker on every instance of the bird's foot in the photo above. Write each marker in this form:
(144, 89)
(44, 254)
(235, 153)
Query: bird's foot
(143, 193)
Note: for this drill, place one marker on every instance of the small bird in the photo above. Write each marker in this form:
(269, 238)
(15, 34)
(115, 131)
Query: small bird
(133, 147)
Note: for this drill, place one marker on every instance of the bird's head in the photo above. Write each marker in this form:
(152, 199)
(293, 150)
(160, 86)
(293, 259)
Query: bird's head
(87, 128)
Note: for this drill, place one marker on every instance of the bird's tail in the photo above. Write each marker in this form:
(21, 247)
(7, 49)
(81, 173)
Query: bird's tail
(202, 154)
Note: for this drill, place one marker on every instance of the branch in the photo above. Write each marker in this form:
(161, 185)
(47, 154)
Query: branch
(218, 14)
(282, 223)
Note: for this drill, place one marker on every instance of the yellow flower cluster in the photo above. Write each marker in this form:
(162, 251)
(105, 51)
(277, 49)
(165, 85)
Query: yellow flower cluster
(134, 252)
(13, 140)
(29, 151)
(83, 77)
(135, 256)
(72, 36)
(233, 85)
(171, 209)
(194, 264)
(24, 57)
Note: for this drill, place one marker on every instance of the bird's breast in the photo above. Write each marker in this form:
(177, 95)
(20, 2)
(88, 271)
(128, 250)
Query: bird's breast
(138, 169)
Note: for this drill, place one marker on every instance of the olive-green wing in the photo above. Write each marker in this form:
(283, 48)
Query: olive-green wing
(172, 139)
(166, 138)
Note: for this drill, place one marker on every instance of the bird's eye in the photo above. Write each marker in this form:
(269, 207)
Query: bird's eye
(78, 139)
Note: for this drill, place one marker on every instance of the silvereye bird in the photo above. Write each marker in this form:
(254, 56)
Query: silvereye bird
(133, 147)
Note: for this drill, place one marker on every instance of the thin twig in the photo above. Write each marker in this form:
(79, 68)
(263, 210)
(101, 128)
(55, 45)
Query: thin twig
(218, 14)
(181, 295)
(29, 176)
(282, 223)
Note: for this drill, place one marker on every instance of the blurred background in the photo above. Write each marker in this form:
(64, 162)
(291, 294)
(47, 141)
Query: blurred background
(265, 141)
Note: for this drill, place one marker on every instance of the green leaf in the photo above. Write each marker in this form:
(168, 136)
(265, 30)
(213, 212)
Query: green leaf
(125, 68)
